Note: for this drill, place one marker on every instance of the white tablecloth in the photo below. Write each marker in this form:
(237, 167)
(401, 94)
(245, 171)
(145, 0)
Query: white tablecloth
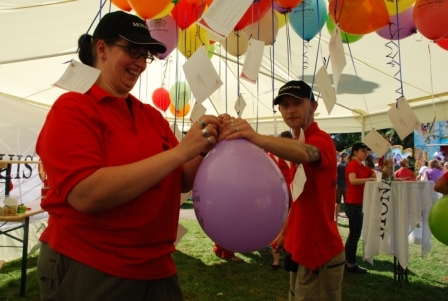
(391, 212)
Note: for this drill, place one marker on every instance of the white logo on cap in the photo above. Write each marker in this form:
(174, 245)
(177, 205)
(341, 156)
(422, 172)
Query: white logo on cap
(138, 24)
(290, 87)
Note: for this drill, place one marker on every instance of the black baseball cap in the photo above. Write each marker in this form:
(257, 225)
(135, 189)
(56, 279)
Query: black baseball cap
(359, 145)
(295, 88)
(128, 27)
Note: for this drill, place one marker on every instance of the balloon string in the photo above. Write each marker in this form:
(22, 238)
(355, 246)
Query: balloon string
(432, 87)
(358, 79)
(304, 48)
(272, 68)
(288, 50)
(392, 55)
(314, 77)
(98, 14)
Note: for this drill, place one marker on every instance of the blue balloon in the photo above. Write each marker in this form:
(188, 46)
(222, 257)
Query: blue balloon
(308, 18)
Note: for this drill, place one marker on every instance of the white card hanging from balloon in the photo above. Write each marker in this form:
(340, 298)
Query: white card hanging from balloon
(240, 104)
(376, 142)
(184, 196)
(252, 62)
(181, 231)
(197, 111)
(203, 81)
(298, 183)
(403, 118)
(176, 131)
(78, 77)
(337, 56)
(326, 90)
(222, 16)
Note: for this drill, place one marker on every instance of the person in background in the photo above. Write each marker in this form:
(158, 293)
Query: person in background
(421, 172)
(225, 254)
(369, 162)
(356, 175)
(284, 168)
(310, 234)
(404, 173)
(115, 172)
(441, 185)
(341, 185)
(434, 171)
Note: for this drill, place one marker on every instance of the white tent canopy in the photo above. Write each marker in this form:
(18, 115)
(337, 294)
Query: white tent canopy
(38, 37)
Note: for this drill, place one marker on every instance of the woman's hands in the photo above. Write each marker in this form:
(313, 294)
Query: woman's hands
(233, 128)
(201, 136)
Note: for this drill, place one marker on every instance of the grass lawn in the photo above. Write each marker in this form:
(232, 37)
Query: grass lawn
(204, 277)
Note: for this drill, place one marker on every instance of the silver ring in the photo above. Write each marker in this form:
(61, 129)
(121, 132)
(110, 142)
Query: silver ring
(209, 140)
(236, 129)
(204, 132)
(202, 123)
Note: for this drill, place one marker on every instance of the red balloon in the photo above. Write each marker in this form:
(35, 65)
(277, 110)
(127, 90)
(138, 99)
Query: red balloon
(443, 42)
(289, 4)
(199, 2)
(431, 18)
(161, 98)
(255, 12)
(359, 17)
(186, 14)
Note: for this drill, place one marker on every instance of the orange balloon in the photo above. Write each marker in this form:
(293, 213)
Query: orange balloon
(164, 12)
(359, 17)
(122, 4)
(290, 4)
(180, 113)
(148, 9)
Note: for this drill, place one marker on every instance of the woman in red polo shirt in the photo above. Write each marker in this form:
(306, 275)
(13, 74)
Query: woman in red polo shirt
(115, 173)
(356, 175)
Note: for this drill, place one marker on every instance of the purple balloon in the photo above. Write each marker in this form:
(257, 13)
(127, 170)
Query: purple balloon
(164, 30)
(280, 9)
(240, 196)
(404, 20)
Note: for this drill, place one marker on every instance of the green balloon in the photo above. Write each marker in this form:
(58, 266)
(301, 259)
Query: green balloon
(180, 94)
(211, 49)
(346, 38)
(438, 220)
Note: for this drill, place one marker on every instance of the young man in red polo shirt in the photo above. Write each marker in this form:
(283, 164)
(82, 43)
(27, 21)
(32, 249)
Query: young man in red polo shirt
(310, 233)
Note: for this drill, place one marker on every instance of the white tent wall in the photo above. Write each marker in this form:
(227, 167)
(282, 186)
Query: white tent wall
(20, 124)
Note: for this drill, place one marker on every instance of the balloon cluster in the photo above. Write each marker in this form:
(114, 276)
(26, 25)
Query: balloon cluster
(177, 98)
(173, 23)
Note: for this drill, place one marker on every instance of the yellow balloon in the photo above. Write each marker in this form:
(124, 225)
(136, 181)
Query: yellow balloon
(191, 39)
(402, 5)
(236, 43)
(282, 19)
(164, 12)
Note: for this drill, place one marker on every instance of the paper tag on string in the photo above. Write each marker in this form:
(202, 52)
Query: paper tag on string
(181, 231)
(299, 180)
(403, 118)
(78, 77)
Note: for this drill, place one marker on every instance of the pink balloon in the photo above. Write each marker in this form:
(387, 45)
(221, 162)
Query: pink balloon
(164, 30)
(240, 196)
(403, 20)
